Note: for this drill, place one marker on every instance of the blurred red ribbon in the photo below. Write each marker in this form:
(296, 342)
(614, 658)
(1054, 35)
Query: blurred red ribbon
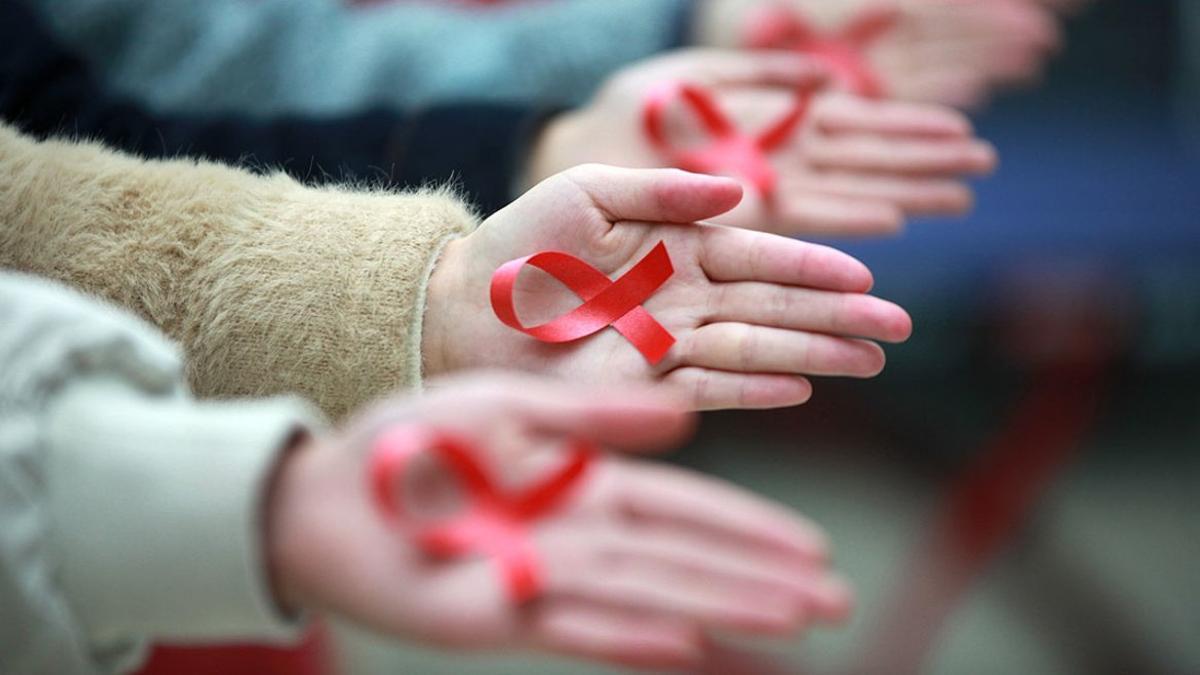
(731, 151)
(606, 302)
(494, 522)
(843, 51)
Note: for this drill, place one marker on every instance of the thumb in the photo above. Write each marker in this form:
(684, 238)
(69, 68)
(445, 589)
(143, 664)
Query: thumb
(784, 69)
(634, 420)
(655, 195)
(872, 23)
(632, 417)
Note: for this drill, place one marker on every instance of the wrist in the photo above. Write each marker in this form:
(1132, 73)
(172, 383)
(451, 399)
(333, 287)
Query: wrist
(440, 295)
(283, 491)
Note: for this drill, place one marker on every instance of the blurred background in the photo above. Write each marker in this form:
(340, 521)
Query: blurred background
(1020, 491)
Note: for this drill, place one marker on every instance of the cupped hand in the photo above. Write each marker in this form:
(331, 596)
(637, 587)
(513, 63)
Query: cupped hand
(640, 567)
(854, 167)
(753, 314)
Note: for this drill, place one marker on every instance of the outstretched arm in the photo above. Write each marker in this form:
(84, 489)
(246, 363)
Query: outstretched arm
(274, 287)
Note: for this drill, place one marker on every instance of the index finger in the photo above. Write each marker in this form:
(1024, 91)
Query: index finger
(759, 68)
(730, 254)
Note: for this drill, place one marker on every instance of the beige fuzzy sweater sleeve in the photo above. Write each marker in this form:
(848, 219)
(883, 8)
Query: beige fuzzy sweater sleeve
(270, 286)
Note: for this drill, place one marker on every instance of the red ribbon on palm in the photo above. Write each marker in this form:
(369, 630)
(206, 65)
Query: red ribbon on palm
(606, 302)
(495, 522)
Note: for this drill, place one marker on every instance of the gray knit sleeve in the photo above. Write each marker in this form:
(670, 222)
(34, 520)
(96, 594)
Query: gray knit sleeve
(128, 510)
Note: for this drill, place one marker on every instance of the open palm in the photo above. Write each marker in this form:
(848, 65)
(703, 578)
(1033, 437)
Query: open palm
(858, 167)
(639, 566)
(959, 52)
(752, 313)
(854, 167)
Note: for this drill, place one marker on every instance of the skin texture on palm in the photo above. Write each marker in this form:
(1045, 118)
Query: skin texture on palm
(641, 565)
(855, 167)
(754, 314)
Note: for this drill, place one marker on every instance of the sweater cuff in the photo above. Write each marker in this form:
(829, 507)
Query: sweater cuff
(483, 148)
(158, 507)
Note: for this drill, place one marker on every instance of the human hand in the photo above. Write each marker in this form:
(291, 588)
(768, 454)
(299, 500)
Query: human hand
(952, 52)
(639, 567)
(853, 167)
(960, 52)
(752, 313)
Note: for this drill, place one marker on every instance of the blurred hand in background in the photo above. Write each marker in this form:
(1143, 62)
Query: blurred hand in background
(855, 166)
(954, 52)
(639, 567)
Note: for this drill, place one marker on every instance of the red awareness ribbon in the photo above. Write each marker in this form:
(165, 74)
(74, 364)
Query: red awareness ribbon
(494, 523)
(605, 302)
(731, 151)
(843, 51)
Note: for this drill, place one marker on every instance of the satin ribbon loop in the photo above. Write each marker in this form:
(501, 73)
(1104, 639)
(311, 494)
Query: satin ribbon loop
(494, 523)
(730, 151)
(605, 302)
(843, 51)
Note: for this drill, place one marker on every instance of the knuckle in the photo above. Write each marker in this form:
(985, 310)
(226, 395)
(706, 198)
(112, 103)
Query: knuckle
(780, 304)
(746, 342)
(704, 393)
